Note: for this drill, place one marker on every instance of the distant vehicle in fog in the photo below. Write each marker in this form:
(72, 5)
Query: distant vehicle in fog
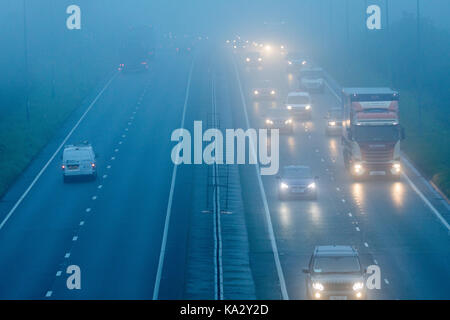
(299, 104)
(334, 122)
(335, 273)
(137, 50)
(79, 161)
(297, 182)
(264, 92)
(296, 61)
(253, 59)
(311, 79)
(371, 132)
(276, 118)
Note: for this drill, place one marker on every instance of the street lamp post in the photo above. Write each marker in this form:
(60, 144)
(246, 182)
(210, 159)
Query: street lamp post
(419, 64)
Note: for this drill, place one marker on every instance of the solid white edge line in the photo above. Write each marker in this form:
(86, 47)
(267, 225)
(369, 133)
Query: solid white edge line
(413, 186)
(10, 213)
(432, 208)
(273, 242)
(169, 203)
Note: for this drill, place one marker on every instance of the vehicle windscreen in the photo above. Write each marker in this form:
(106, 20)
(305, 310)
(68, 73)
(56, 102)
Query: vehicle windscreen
(335, 114)
(298, 99)
(336, 265)
(311, 74)
(297, 172)
(77, 155)
(376, 133)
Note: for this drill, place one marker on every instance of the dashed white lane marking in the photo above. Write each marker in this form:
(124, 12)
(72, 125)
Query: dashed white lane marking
(13, 209)
(113, 158)
(108, 167)
(94, 198)
(75, 238)
(58, 273)
(343, 200)
(366, 244)
(386, 281)
(357, 229)
(100, 186)
(350, 214)
(120, 142)
(116, 150)
(126, 129)
(81, 223)
(105, 176)
(375, 261)
(48, 294)
(124, 136)
(67, 255)
(88, 209)
(129, 123)
(162, 252)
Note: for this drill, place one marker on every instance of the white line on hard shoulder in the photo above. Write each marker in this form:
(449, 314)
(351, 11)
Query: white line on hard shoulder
(276, 256)
(169, 203)
(22, 197)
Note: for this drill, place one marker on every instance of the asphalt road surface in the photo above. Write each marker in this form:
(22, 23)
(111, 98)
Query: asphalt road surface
(128, 230)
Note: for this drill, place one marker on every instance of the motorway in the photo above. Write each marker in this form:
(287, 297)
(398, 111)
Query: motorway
(129, 231)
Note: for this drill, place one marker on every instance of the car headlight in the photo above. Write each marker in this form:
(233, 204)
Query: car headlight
(289, 62)
(358, 286)
(256, 92)
(248, 59)
(397, 167)
(312, 185)
(289, 107)
(358, 168)
(308, 107)
(284, 186)
(288, 121)
(268, 121)
(318, 286)
(259, 59)
(332, 123)
(272, 92)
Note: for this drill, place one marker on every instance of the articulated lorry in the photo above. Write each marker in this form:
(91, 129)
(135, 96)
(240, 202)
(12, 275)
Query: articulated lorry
(371, 132)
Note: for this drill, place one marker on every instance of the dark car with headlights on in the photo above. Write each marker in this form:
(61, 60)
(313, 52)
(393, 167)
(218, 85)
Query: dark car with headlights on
(279, 119)
(334, 122)
(264, 92)
(335, 273)
(297, 182)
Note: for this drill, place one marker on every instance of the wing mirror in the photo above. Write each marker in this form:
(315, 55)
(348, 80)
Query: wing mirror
(305, 270)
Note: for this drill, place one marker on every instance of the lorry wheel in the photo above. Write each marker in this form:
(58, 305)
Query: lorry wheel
(65, 179)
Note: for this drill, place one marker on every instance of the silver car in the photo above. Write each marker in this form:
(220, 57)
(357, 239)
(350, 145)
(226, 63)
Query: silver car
(79, 160)
(279, 119)
(297, 182)
(335, 272)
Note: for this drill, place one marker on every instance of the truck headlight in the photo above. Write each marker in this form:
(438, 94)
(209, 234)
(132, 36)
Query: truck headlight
(397, 167)
(318, 286)
(331, 123)
(256, 92)
(289, 107)
(308, 107)
(283, 186)
(358, 168)
(312, 185)
(358, 286)
(288, 121)
(268, 121)
(272, 92)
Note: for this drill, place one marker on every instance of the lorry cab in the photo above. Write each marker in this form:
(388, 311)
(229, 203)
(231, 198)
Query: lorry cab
(371, 132)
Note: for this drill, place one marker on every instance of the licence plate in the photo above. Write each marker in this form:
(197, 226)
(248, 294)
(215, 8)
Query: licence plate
(298, 190)
(338, 297)
(377, 173)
